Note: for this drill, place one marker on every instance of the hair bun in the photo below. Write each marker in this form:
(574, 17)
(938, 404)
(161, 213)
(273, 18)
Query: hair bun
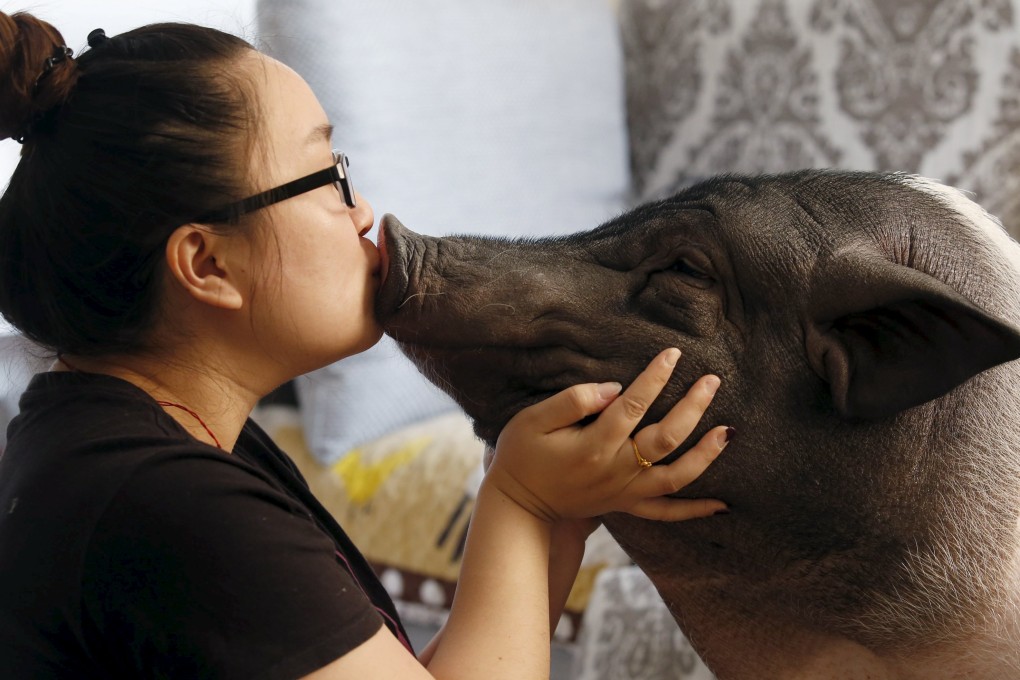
(97, 38)
(37, 72)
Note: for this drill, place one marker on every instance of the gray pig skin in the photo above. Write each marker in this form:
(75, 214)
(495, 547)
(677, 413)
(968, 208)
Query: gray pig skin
(864, 327)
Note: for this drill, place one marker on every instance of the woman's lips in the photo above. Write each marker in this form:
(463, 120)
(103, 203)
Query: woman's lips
(384, 259)
(395, 242)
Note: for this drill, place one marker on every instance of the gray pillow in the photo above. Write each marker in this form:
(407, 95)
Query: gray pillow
(501, 117)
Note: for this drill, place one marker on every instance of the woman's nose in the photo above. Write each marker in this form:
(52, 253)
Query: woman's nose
(362, 214)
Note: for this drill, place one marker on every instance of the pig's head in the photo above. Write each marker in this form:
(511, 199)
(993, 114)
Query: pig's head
(863, 326)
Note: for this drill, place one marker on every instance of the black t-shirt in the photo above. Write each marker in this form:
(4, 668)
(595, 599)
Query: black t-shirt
(130, 549)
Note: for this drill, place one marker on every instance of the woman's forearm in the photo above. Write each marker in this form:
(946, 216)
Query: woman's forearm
(499, 622)
(566, 551)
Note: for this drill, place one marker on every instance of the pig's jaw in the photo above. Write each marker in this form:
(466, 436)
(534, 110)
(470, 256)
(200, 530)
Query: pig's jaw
(493, 382)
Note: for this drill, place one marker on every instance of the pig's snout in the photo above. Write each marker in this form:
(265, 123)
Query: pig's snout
(396, 243)
(472, 291)
(499, 324)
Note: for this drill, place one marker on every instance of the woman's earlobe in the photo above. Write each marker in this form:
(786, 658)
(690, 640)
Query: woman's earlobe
(201, 262)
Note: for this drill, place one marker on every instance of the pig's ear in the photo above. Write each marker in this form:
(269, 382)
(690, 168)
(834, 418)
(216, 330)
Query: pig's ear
(887, 337)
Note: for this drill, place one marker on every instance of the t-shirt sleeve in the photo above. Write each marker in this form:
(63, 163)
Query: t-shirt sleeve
(200, 568)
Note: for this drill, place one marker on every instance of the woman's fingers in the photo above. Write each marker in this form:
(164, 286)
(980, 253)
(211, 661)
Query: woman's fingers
(677, 509)
(569, 406)
(622, 416)
(662, 480)
(606, 470)
(658, 440)
(654, 485)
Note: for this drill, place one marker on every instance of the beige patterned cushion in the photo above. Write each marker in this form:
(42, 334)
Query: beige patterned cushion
(925, 86)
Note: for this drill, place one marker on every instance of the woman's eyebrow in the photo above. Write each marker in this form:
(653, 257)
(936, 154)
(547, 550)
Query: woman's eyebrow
(321, 132)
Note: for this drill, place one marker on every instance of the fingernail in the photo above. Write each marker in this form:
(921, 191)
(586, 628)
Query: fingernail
(712, 384)
(725, 436)
(722, 511)
(608, 390)
(672, 356)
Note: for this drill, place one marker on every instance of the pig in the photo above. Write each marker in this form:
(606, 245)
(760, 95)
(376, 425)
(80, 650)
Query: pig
(864, 326)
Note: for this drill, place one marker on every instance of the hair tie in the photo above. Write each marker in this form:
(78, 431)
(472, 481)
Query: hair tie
(98, 38)
(60, 53)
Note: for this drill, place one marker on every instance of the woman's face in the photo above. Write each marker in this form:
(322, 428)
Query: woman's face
(316, 277)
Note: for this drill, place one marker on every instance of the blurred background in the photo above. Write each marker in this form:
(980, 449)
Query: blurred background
(75, 19)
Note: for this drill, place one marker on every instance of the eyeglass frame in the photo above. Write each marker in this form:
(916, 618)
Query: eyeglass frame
(337, 174)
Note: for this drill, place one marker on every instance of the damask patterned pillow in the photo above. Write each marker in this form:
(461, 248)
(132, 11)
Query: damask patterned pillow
(924, 86)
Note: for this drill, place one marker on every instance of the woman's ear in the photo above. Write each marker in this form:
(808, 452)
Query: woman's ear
(209, 266)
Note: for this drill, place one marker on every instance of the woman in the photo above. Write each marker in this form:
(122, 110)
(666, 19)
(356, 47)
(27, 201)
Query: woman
(180, 234)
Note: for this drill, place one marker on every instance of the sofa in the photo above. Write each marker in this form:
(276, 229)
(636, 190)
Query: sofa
(523, 118)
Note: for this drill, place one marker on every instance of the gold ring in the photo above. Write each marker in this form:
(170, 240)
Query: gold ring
(641, 460)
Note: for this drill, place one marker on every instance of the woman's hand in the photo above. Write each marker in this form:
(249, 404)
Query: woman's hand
(557, 469)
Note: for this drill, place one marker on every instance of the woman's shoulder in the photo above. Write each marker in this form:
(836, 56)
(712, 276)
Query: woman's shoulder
(66, 411)
(209, 542)
(84, 446)
(93, 433)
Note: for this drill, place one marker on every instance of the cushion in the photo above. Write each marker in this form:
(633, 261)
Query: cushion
(499, 117)
(922, 87)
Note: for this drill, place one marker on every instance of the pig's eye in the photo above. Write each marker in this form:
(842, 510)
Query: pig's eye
(682, 266)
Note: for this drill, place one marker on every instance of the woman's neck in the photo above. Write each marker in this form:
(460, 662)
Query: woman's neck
(209, 399)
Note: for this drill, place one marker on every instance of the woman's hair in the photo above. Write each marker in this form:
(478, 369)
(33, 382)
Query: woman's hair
(121, 145)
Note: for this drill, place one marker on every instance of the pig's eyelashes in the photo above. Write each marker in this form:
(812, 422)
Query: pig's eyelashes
(688, 270)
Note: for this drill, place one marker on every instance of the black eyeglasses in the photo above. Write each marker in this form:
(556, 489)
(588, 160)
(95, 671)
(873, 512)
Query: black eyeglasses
(338, 174)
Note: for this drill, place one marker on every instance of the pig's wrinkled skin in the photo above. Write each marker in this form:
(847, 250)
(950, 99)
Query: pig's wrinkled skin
(864, 327)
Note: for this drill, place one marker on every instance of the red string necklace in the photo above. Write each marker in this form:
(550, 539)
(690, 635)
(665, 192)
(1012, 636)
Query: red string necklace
(174, 404)
(195, 416)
